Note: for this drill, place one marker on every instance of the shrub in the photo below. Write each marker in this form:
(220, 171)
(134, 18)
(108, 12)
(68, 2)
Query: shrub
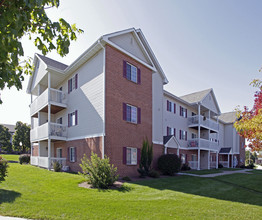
(220, 165)
(126, 178)
(153, 174)
(242, 166)
(3, 169)
(146, 158)
(169, 164)
(185, 167)
(57, 166)
(24, 158)
(98, 172)
(250, 166)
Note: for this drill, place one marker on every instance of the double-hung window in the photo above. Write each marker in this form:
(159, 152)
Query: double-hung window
(131, 113)
(183, 135)
(171, 107)
(72, 83)
(72, 119)
(131, 72)
(59, 152)
(131, 156)
(183, 112)
(72, 154)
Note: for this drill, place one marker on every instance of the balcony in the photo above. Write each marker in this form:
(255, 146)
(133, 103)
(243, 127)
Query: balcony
(57, 100)
(204, 123)
(55, 131)
(43, 161)
(206, 144)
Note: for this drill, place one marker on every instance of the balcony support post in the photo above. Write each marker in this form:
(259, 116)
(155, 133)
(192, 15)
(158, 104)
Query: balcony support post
(228, 161)
(198, 159)
(217, 160)
(198, 155)
(49, 120)
(208, 161)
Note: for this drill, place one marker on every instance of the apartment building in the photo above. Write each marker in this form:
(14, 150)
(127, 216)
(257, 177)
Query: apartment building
(110, 99)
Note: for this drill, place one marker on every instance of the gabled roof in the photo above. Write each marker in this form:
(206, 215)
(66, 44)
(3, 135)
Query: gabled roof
(228, 117)
(167, 138)
(196, 96)
(225, 150)
(52, 63)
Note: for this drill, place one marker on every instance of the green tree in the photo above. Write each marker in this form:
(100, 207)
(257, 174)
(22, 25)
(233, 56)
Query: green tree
(28, 17)
(146, 158)
(3, 169)
(5, 137)
(21, 138)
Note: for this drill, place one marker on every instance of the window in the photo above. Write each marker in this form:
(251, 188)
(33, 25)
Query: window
(131, 113)
(194, 136)
(131, 156)
(193, 114)
(131, 72)
(183, 158)
(72, 154)
(183, 112)
(59, 121)
(171, 107)
(170, 131)
(183, 135)
(72, 83)
(59, 152)
(72, 119)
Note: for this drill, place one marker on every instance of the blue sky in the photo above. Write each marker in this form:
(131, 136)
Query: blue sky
(200, 44)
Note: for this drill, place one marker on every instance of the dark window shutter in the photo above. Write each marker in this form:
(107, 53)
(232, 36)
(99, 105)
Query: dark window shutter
(75, 154)
(68, 86)
(68, 154)
(186, 113)
(180, 134)
(167, 105)
(138, 115)
(124, 155)
(68, 120)
(186, 136)
(138, 155)
(174, 108)
(124, 69)
(174, 132)
(167, 130)
(180, 111)
(186, 158)
(138, 76)
(76, 117)
(124, 111)
(76, 81)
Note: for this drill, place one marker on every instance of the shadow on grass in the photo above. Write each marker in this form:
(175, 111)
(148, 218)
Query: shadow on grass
(8, 196)
(222, 188)
(122, 189)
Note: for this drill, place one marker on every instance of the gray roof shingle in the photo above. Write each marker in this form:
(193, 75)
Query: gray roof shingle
(53, 63)
(196, 96)
(11, 128)
(225, 150)
(229, 117)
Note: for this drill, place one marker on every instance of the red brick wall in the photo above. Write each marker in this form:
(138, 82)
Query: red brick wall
(119, 90)
(83, 146)
(158, 150)
(35, 150)
(188, 154)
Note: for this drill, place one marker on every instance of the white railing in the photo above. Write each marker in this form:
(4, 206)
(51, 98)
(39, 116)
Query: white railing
(224, 163)
(193, 164)
(34, 160)
(57, 130)
(62, 161)
(208, 123)
(41, 132)
(203, 143)
(213, 164)
(56, 96)
(43, 162)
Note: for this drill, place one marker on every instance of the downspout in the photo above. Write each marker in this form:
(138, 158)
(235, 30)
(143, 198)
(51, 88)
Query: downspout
(104, 71)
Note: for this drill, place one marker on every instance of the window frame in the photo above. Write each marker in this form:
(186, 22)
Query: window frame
(133, 115)
(60, 154)
(132, 163)
(129, 75)
(72, 155)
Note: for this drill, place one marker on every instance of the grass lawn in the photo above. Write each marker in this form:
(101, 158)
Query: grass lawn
(35, 193)
(255, 171)
(10, 157)
(203, 172)
(230, 169)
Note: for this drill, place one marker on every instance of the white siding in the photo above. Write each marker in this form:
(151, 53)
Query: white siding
(209, 103)
(87, 99)
(228, 136)
(129, 43)
(157, 111)
(39, 74)
(221, 135)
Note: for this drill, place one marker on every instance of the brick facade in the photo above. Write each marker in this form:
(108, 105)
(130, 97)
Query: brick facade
(83, 146)
(35, 150)
(119, 90)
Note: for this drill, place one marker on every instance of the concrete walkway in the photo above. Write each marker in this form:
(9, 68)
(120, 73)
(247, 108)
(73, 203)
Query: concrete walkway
(217, 174)
(11, 218)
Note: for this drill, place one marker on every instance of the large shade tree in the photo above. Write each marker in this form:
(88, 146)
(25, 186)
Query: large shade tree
(21, 138)
(249, 124)
(5, 137)
(28, 17)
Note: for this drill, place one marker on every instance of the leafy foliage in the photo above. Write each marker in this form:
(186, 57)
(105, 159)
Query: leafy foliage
(169, 164)
(5, 137)
(146, 158)
(28, 17)
(249, 122)
(21, 138)
(154, 174)
(57, 166)
(24, 158)
(3, 169)
(185, 167)
(99, 172)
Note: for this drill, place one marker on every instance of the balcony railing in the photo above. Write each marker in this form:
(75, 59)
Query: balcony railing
(205, 122)
(203, 143)
(213, 164)
(43, 161)
(192, 164)
(224, 163)
(56, 97)
(56, 131)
